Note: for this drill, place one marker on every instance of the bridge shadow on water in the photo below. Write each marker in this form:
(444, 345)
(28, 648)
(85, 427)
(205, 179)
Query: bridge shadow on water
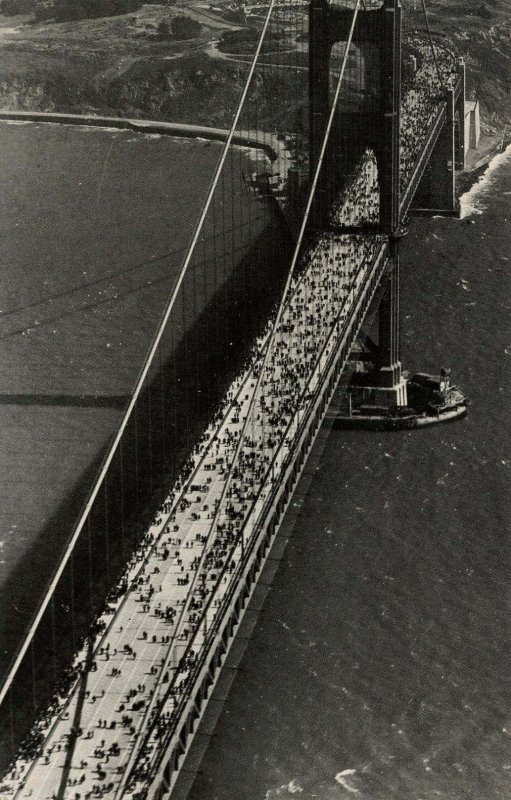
(197, 361)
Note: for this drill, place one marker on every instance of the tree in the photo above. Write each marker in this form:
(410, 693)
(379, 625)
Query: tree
(185, 28)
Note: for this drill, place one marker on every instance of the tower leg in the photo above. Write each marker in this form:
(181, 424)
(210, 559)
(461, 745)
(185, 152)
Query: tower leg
(319, 102)
(459, 127)
(391, 386)
(385, 386)
(388, 151)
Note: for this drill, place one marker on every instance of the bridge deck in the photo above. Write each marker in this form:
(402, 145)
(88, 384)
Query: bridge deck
(174, 591)
(155, 619)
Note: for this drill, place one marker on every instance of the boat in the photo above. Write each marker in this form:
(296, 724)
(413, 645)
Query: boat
(431, 399)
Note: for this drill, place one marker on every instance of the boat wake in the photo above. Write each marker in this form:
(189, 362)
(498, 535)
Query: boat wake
(342, 780)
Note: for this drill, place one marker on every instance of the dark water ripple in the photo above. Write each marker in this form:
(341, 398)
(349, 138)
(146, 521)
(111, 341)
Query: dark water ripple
(380, 668)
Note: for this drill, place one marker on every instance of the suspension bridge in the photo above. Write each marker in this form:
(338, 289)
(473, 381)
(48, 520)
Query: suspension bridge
(115, 685)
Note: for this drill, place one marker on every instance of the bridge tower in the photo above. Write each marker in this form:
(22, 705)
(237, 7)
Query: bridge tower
(373, 123)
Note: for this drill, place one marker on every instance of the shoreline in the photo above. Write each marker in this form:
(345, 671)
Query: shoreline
(465, 178)
(468, 177)
(242, 138)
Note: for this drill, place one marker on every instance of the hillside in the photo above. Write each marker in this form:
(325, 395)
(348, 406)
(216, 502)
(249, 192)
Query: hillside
(481, 33)
(136, 65)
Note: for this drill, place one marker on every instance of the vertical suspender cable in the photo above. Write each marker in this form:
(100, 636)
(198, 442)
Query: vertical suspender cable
(173, 389)
(163, 427)
(205, 338)
(137, 471)
(32, 670)
(54, 638)
(72, 600)
(11, 723)
(121, 492)
(213, 338)
(149, 434)
(107, 532)
(91, 596)
(194, 325)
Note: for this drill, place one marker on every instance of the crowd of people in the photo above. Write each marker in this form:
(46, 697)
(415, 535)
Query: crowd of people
(283, 378)
(131, 679)
(359, 202)
(419, 105)
(149, 641)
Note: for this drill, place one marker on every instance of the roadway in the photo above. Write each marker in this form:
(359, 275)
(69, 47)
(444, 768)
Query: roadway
(95, 732)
